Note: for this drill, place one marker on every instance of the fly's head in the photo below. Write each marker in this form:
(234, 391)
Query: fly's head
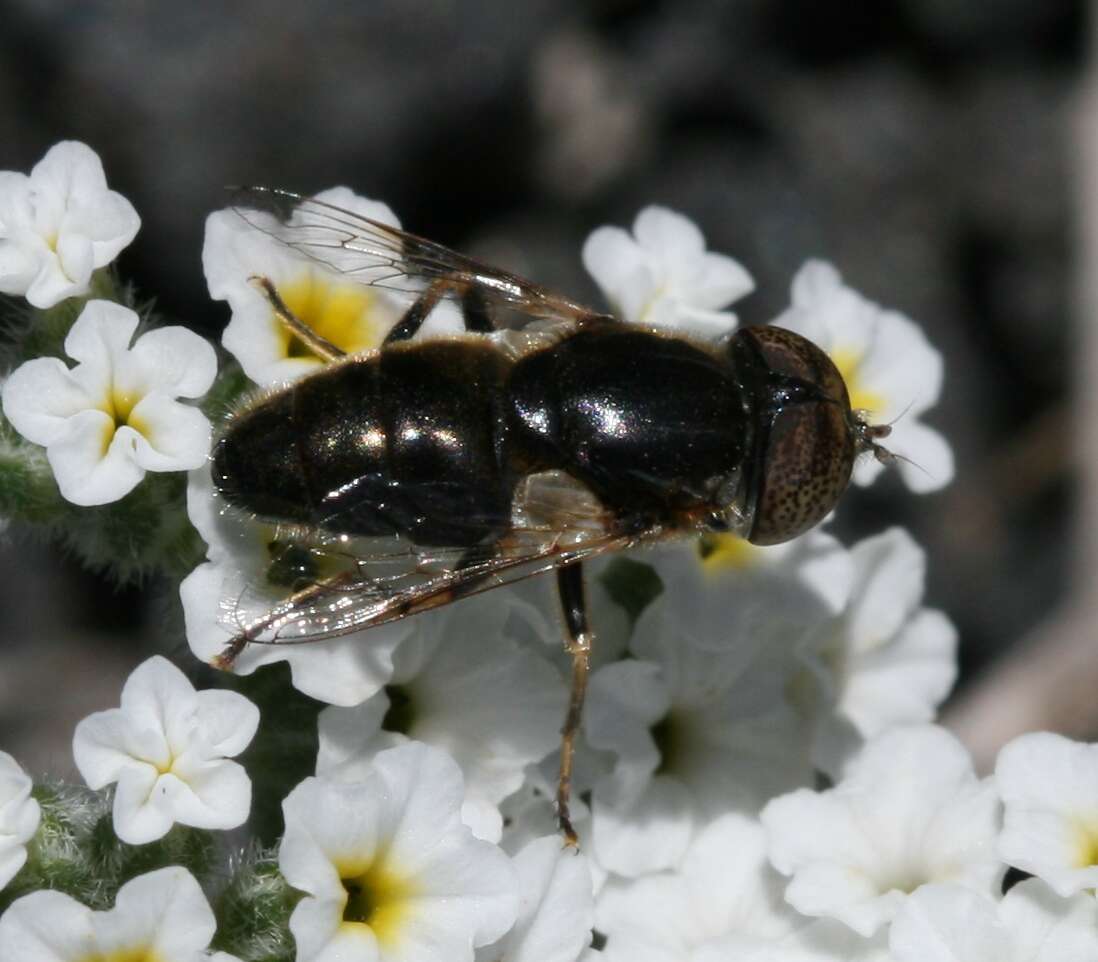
(806, 437)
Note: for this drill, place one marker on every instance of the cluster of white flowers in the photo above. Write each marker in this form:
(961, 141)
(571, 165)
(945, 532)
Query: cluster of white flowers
(162, 916)
(427, 833)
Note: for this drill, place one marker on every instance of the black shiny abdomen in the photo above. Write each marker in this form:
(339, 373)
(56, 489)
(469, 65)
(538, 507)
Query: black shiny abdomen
(404, 441)
(429, 439)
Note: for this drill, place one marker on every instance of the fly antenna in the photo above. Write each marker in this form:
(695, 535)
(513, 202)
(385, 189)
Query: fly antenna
(901, 414)
(868, 438)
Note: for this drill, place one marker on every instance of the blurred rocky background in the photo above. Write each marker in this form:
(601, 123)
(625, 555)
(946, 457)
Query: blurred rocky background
(926, 147)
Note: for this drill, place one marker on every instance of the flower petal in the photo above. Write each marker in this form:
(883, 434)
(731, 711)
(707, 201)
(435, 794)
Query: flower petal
(109, 743)
(101, 335)
(227, 720)
(1049, 786)
(721, 281)
(46, 926)
(155, 691)
(1045, 928)
(890, 576)
(40, 396)
(612, 258)
(163, 912)
(948, 923)
(931, 456)
(214, 794)
(75, 259)
(92, 464)
(140, 814)
(175, 361)
(556, 913)
(70, 169)
(673, 239)
(168, 435)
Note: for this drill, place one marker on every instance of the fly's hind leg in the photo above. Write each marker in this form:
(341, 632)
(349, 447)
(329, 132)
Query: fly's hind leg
(320, 346)
(578, 639)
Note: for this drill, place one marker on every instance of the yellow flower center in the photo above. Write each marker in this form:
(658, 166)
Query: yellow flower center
(861, 399)
(351, 316)
(1086, 843)
(722, 552)
(378, 898)
(119, 405)
(139, 954)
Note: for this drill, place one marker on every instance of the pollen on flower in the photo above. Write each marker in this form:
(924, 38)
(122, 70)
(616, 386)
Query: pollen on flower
(350, 316)
(119, 406)
(139, 954)
(1086, 843)
(378, 898)
(726, 551)
(861, 399)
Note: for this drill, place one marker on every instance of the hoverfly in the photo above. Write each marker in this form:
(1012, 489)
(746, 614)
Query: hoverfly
(546, 435)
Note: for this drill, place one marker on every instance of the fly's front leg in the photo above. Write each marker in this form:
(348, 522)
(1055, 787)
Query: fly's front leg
(474, 309)
(578, 644)
(408, 326)
(320, 346)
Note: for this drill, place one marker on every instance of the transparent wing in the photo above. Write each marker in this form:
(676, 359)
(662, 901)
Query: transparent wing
(343, 585)
(383, 256)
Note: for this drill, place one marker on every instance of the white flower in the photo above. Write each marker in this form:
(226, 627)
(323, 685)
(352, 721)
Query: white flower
(19, 817)
(167, 747)
(823, 940)
(1049, 786)
(556, 910)
(890, 369)
(233, 588)
(388, 869)
(700, 722)
(662, 275)
(611, 623)
(947, 923)
(910, 811)
(530, 813)
(885, 660)
(737, 596)
(463, 685)
(340, 307)
(724, 889)
(114, 416)
(59, 224)
(694, 737)
(162, 915)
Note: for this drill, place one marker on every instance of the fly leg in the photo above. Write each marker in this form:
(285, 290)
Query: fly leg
(473, 307)
(474, 310)
(406, 328)
(578, 644)
(320, 346)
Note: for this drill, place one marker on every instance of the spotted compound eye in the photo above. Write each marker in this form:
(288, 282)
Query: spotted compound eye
(807, 441)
